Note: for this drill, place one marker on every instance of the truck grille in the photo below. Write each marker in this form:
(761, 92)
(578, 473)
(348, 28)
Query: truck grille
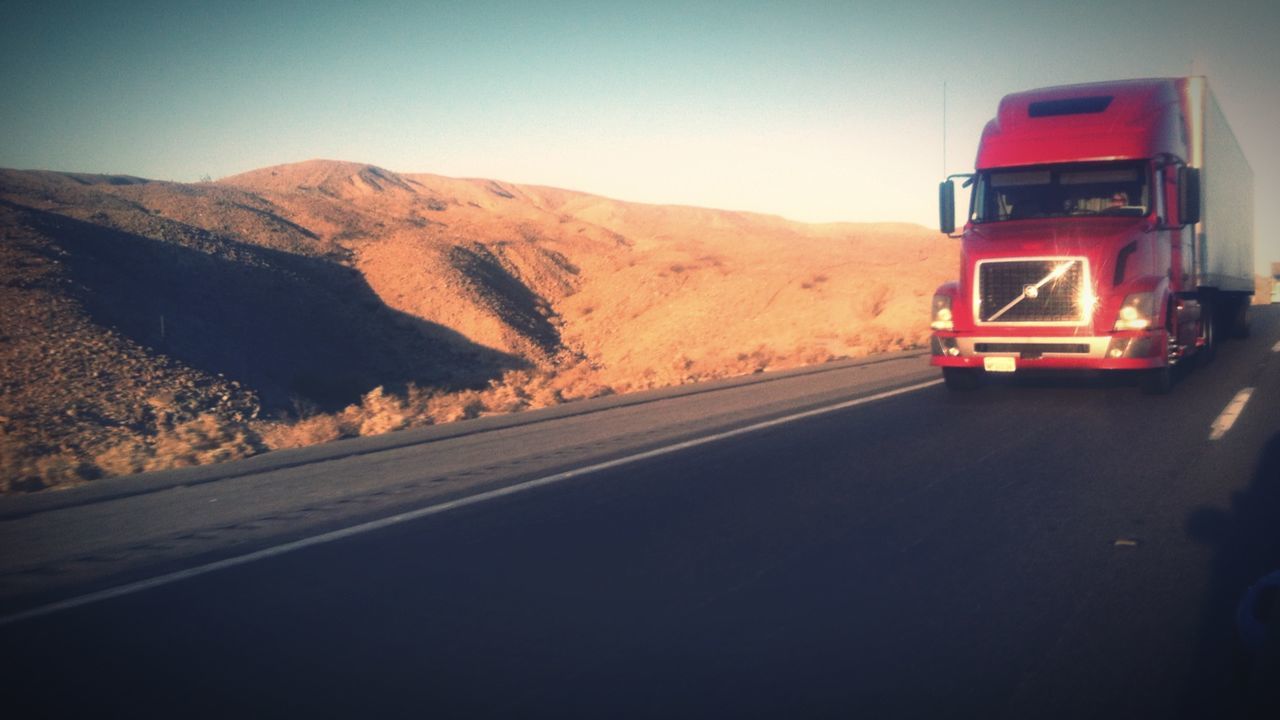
(1049, 290)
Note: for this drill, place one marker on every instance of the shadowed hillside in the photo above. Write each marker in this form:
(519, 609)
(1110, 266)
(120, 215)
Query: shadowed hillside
(152, 324)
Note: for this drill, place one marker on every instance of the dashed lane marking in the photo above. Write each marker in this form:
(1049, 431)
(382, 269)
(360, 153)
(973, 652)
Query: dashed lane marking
(1229, 414)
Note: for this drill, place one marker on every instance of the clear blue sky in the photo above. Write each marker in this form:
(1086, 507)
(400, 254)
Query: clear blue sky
(815, 111)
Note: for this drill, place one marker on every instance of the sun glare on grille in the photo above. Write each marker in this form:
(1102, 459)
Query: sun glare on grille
(1050, 290)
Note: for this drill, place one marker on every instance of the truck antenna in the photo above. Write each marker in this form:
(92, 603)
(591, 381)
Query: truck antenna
(944, 128)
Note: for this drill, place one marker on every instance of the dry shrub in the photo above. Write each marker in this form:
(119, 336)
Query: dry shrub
(881, 339)
(452, 407)
(205, 439)
(306, 431)
(544, 395)
(22, 470)
(12, 461)
(380, 411)
(63, 470)
(507, 395)
(579, 381)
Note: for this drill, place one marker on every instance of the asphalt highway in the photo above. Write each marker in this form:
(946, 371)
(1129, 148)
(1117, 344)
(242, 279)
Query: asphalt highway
(849, 542)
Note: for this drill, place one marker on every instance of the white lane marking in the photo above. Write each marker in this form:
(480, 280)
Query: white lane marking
(1276, 347)
(1230, 414)
(265, 553)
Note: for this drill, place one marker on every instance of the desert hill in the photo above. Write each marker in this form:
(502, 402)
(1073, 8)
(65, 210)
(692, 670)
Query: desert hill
(151, 323)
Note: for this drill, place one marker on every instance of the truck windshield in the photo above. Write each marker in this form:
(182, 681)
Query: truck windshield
(1050, 191)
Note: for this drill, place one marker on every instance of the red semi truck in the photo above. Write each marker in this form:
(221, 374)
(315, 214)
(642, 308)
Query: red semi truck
(1110, 227)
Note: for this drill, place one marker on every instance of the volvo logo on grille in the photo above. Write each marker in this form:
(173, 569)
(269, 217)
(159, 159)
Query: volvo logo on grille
(1031, 291)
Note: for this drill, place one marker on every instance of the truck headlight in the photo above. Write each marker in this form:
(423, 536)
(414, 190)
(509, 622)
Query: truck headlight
(1137, 312)
(941, 318)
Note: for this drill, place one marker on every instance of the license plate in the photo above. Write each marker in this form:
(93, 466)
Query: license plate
(999, 364)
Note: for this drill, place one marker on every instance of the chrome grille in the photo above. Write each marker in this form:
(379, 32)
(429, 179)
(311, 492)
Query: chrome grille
(1048, 290)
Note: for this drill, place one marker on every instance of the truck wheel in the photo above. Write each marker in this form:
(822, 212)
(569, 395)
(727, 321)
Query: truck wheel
(1157, 381)
(1232, 315)
(961, 379)
(1240, 326)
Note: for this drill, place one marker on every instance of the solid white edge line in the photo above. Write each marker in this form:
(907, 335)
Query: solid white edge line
(140, 585)
(1229, 414)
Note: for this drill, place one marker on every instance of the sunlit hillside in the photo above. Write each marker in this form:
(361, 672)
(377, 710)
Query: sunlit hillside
(154, 324)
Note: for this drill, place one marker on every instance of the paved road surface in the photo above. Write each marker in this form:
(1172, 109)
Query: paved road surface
(1041, 548)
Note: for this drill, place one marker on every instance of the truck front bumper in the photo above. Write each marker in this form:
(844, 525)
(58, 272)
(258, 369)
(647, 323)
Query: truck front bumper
(1116, 351)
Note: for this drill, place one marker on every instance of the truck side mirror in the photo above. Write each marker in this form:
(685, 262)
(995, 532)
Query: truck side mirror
(947, 206)
(1188, 195)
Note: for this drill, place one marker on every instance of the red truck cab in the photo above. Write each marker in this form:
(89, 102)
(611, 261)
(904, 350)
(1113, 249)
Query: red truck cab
(1085, 244)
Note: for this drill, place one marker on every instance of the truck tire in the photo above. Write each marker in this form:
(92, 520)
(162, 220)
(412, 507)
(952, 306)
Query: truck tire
(1232, 315)
(1240, 319)
(1157, 381)
(961, 379)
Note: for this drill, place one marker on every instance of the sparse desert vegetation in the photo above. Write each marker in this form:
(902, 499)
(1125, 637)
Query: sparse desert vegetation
(151, 325)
